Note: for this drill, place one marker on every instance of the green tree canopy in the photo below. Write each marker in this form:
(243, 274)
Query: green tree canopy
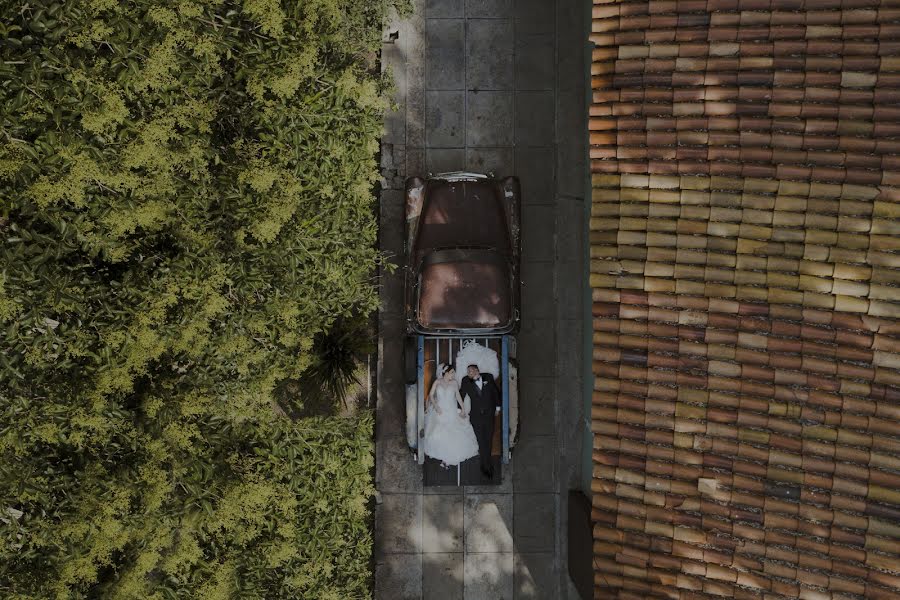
(185, 202)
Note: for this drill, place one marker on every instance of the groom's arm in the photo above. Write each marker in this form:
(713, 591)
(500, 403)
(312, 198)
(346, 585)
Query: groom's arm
(498, 403)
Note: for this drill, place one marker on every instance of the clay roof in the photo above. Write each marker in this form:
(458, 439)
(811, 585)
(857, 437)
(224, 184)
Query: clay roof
(745, 267)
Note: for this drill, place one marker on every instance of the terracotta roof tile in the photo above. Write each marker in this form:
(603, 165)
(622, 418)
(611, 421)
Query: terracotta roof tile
(745, 267)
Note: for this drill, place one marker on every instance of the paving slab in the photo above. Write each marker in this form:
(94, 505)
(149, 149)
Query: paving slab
(398, 518)
(411, 35)
(489, 118)
(391, 411)
(445, 59)
(537, 347)
(536, 168)
(399, 577)
(393, 164)
(489, 522)
(536, 462)
(415, 163)
(535, 522)
(570, 293)
(571, 166)
(415, 118)
(538, 299)
(391, 290)
(489, 576)
(568, 588)
(538, 238)
(412, 42)
(442, 489)
(443, 576)
(569, 356)
(391, 208)
(505, 486)
(390, 372)
(490, 160)
(537, 406)
(570, 249)
(396, 471)
(442, 160)
(443, 9)
(572, 449)
(534, 16)
(535, 113)
(570, 67)
(489, 8)
(391, 202)
(445, 119)
(537, 576)
(572, 151)
(394, 61)
(489, 54)
(535, 62)
(442, 522)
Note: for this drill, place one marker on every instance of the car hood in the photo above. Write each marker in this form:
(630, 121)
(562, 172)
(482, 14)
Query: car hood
(464, 289)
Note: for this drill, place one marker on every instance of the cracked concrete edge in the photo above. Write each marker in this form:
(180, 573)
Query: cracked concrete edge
(396, 479)
(403, 57)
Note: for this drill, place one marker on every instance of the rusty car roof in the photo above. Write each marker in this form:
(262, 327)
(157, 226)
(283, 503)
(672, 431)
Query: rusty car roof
(462, 213)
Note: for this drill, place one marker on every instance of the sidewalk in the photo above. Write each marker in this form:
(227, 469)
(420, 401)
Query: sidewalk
(490, 85)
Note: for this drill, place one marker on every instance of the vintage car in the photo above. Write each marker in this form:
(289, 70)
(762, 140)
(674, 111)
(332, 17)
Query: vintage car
(462, 252)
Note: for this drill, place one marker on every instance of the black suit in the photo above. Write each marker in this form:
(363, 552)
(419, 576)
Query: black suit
(484, 402)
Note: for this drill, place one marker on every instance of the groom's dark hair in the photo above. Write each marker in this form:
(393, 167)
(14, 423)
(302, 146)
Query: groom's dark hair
(470, 366)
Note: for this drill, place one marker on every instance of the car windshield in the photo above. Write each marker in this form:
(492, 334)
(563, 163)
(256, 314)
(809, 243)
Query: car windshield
(463, 213)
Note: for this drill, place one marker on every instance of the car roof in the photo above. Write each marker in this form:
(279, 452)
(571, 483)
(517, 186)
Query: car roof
(463, 213)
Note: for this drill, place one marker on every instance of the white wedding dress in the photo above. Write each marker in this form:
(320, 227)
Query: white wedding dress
(448, 437)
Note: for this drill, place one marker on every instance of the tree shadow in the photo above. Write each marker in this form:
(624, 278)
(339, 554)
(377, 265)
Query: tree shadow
(337, 382)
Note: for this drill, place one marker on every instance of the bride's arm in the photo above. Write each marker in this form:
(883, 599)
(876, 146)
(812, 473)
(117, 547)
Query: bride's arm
(461, 404)
(430, 398)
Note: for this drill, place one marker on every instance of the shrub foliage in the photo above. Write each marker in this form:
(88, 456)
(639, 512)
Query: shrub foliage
(185, 204)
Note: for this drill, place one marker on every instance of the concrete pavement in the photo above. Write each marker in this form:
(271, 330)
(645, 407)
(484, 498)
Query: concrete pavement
(490, 85)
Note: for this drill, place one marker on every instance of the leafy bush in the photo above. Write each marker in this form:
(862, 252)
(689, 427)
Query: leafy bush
(338, 355)
(205, 509)
(185, 204)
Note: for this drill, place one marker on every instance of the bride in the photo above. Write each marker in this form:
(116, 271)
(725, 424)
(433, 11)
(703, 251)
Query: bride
(449, 436)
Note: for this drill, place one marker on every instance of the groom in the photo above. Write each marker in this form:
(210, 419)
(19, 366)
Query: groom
(485, 399)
